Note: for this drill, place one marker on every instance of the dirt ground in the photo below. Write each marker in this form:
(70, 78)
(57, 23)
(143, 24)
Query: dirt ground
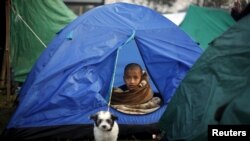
(6, 109)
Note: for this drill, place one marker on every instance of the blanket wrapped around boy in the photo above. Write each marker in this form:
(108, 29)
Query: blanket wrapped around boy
(136, 101)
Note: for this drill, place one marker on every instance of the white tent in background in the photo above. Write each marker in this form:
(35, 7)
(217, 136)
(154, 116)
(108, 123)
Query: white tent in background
(176, 18)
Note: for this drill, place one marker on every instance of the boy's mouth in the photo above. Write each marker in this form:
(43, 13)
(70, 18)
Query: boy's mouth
(131, 87)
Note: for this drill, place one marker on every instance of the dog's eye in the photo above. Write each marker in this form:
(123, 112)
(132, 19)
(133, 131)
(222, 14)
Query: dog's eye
(99, 121)
(109, 121)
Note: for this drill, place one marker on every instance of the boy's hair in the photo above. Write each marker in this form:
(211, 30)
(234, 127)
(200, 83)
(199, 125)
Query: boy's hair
(132, 66)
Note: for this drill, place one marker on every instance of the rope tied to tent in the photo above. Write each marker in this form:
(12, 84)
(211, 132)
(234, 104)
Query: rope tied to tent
(25, 23)
(115, 64)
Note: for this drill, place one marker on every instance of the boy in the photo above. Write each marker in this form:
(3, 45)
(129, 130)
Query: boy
(136, 89)
(134, 77)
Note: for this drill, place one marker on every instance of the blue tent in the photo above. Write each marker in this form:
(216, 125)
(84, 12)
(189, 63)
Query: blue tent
(73, 77)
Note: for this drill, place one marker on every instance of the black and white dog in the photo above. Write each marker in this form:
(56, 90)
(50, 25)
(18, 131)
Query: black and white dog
(105, 126)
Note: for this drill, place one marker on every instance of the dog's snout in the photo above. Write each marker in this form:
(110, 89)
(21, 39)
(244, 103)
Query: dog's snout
(104, 126)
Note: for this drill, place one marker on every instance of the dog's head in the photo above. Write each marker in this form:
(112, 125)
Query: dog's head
(104, 120)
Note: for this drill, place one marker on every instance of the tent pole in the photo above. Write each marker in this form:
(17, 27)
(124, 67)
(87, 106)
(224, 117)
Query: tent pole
(7, 51)
(3, 70)
(3, 73)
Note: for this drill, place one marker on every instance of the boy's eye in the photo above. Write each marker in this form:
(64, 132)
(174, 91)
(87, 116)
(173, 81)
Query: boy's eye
(135, 77)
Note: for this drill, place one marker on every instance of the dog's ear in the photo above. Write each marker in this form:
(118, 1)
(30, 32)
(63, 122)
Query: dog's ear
(113, 117)
(93, 117)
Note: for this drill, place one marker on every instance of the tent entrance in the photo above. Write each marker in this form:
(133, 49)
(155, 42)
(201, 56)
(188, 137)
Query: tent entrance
(129, 53)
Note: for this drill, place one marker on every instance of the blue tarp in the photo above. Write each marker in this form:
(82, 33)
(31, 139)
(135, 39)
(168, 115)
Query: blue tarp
(72, 78)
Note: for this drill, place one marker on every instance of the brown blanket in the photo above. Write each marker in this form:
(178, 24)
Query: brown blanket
(145, 108)
(140, 95)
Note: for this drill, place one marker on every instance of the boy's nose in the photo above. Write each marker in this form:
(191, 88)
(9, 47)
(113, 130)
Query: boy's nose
(132, 81)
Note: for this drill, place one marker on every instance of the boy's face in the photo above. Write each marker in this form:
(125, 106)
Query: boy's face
(132, 78)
